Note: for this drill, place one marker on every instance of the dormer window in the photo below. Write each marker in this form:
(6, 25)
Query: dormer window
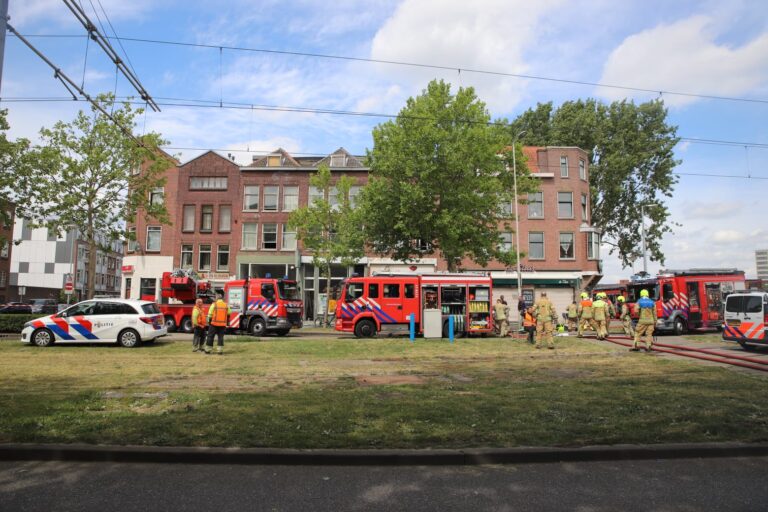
(274, 161)
(339, 160)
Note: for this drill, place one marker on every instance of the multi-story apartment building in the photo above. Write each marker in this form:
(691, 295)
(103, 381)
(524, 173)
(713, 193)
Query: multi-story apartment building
(230, 222)
(42, 261)
(6, 249)
(761, 264)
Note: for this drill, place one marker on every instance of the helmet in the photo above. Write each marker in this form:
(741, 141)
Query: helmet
(600, 295)
(620, 298)
(584, 295)
(643, 293)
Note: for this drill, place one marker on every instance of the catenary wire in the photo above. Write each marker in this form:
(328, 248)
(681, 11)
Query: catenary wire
(428, 66)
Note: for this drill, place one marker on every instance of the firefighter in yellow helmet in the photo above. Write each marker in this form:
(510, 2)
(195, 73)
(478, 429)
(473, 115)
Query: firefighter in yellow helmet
(546, 316)
(585, 314)
(626, 317)
(573, 316)
(601, 315)
(645, 322)
(218, 315)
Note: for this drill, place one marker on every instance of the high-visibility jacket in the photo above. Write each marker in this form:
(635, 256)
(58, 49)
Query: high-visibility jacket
(647, 311)
(573, 311)
(599, 310)
(198, 317)
(528, 320)
(585, 309)
(218, 313)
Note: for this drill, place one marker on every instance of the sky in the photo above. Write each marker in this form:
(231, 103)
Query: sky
(710, 48)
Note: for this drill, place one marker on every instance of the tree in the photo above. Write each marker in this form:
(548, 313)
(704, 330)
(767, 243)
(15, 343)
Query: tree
(631, 157)
(91, 176)
(16, 183)
(439, 180)
(332, 232)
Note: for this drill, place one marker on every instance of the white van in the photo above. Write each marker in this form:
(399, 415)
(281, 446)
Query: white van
(746, 318)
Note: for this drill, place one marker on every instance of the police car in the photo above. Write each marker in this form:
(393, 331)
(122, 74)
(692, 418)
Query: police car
(125, 321)
(746, 319)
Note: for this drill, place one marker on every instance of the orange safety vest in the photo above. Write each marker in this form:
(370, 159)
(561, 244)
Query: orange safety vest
(219, 317)
(528, 320)
(200, 317)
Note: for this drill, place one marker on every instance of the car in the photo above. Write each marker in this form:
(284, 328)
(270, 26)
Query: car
(15, 308)
(746, 319)
(44, 306)
(128, 322)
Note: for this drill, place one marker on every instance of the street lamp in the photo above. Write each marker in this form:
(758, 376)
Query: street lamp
(642, 235)
(517, 217)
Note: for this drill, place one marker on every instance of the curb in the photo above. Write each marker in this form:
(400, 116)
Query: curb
(265, 456)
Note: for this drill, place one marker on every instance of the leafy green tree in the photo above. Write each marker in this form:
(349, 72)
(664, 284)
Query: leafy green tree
(91, 176)
(331, 232)
(631, 164)
(439, 180)
(16, 183)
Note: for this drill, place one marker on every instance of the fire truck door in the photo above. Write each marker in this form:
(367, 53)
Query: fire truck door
(694, 316)
(714, 302)
(392, 303)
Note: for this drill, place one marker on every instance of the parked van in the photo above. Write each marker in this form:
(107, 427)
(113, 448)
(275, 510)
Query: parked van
(746, 318)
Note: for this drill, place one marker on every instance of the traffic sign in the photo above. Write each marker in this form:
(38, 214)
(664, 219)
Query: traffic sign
(69, 287)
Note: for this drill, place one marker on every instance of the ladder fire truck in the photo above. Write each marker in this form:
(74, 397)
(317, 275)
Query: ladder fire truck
(259, 305)
(384, 303)
(687, 299)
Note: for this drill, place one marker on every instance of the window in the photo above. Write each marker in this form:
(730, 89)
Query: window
(154, 234)
(354, 193)
(208, 183)
(269, 237)
(536, 205)
(566, 246)
(333, 198)
(315, 194)
(205, 257)
(206, 218)
(271, 197)
(147, 289)
(290, 198)
(5, 249)
(186, 256)
(565, 205)
(593, 246)
(582, 169)
(3, 278)
(250, 236)
(506, 242)
(338, 160)
(584, 207)
(222, 258)
(225, 218)
(156, 196)
(391, 291)
(274, 161)
(354, 292)
(563, 166)
(536, 246)
(373, 290)
(289, 239)
(251, 198)
(410, 290)
(132, 242)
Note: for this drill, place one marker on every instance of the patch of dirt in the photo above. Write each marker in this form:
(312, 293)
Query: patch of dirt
(568, 373)
(392, 380)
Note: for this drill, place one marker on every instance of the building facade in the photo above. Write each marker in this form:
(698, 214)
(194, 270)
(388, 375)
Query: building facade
(761, 264)
(6, 250)
(230, 221)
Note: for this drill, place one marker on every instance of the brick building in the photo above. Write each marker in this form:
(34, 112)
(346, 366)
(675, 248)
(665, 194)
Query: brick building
(230, 221)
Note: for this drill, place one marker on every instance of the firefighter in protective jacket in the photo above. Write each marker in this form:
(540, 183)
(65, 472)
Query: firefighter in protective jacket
(646, 321)
(585, 314)
(573, 317)
(626, 318)
(545, 315)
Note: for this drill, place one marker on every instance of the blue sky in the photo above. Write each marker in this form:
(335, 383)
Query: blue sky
(717, 48)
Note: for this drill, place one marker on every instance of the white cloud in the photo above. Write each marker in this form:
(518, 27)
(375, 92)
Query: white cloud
(712, 209)
(685, 57)
(489, 35)
(728, 236)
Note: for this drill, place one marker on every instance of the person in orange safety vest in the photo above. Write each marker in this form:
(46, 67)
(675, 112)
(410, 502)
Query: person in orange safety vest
(198, 322)
(529, 324)
(218, 315)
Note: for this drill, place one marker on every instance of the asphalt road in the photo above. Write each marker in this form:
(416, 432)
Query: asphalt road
(737, 484)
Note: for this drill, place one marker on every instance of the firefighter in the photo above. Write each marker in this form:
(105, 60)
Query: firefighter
(529, 324)
(625, 317)
(600, 315)
(585, 314)
(218, 314)
(198, 321)
(500, 311)
(545, 315)
(645, 322)
(573, 316)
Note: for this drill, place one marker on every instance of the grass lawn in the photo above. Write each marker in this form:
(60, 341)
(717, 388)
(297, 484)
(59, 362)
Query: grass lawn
(384, 393)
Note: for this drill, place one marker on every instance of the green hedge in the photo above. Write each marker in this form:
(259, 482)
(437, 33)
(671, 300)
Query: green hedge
(15, 323)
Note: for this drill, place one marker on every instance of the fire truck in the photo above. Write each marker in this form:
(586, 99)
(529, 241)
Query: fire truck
(259, 305)
(687, 299)
(384, 303)
(612, 292)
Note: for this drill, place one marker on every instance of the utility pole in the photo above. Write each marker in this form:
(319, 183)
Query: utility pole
(3, 30)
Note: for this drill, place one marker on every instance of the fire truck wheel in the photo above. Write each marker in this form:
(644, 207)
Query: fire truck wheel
(365, 328)
(456, 334)
(257, 327)
(680, 327)
(186, 324)
(170, 323)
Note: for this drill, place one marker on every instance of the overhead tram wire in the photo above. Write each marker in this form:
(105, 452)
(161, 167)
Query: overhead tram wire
(103, 42)
(427, 66)
(199, 103)
(109, 22)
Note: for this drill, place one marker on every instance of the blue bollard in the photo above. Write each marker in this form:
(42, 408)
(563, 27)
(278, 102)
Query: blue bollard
(412, 318)
(450, 328)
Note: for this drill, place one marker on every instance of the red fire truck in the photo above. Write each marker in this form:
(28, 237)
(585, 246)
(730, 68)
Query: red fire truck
(263, 304)
(259, 305)
(612, 292)
(383, 303)
(688, 299)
